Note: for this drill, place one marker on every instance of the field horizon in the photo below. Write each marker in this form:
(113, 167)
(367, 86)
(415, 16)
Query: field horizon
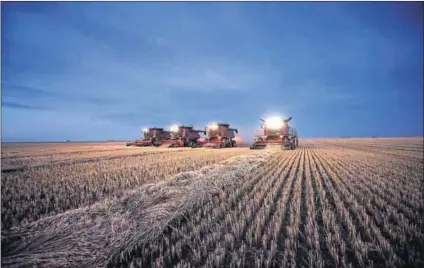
(300, 138)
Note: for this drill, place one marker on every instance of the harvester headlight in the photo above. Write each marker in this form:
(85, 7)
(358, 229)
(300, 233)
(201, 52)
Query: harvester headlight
(274, 122)
(213, 126)
(175, 128)
(145, 130)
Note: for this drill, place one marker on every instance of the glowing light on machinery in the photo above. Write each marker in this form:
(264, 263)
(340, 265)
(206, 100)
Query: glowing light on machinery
(174, 128)
(213, 126)
(274, 122)
(145, 130)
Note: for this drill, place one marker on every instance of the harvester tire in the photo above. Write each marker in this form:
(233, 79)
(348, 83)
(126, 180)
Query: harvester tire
(155, 142)
(193, 144)
(224, 143)
(234, 144)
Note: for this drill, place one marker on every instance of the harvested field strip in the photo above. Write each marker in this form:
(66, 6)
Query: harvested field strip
(355, 217)
(73, 237)
(384, 184)
(385, 159)
(35, 192)
(19, 165)
(9, 165)
(337, 223)
(49, 153)
(385, 167)
(322, 205)
(360, 188)
(204, 230)
(291, 216)
(316, 246)
(41, 151)
(404, 155)
(404, 145)
(376, 188)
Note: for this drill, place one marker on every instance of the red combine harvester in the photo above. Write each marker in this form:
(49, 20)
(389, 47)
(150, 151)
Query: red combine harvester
(183, 136)
(220, 135)
(277, 132)
(151, 137)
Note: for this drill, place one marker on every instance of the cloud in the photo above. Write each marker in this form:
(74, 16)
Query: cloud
(134, 64)
(15, 105)
(16, 90)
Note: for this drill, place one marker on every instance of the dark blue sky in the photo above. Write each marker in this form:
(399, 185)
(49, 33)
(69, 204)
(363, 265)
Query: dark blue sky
(97, 71)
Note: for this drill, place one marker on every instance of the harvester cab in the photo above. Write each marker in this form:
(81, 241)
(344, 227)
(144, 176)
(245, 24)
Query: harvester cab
(220, 135)
(151, 137)
(183, 136)
(276, 132)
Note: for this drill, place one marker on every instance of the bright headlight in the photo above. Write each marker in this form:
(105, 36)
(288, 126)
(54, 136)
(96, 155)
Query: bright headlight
(274, 122)
(145, 130)
(213, 126)
(175, 128)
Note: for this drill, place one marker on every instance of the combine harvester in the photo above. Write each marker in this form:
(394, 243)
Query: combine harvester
(220, 135)
(277, 132)
(183, 136)
(152, 137)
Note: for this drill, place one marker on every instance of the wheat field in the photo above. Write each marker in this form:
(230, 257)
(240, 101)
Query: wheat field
(330, 203)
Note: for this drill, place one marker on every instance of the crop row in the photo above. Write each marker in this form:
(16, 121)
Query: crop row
(330, 203)
(311, 207)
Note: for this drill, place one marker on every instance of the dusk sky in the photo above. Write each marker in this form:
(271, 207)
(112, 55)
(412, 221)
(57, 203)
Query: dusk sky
(102, 71)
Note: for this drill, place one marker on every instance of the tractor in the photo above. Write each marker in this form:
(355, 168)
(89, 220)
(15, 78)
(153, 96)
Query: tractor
(183, 136)
(151, 137)
(220, 135)
(277, 132)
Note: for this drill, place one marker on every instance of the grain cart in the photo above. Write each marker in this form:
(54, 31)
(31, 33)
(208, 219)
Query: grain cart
(276, 132)
(220, 135)
(151, 137)
(183, 136)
